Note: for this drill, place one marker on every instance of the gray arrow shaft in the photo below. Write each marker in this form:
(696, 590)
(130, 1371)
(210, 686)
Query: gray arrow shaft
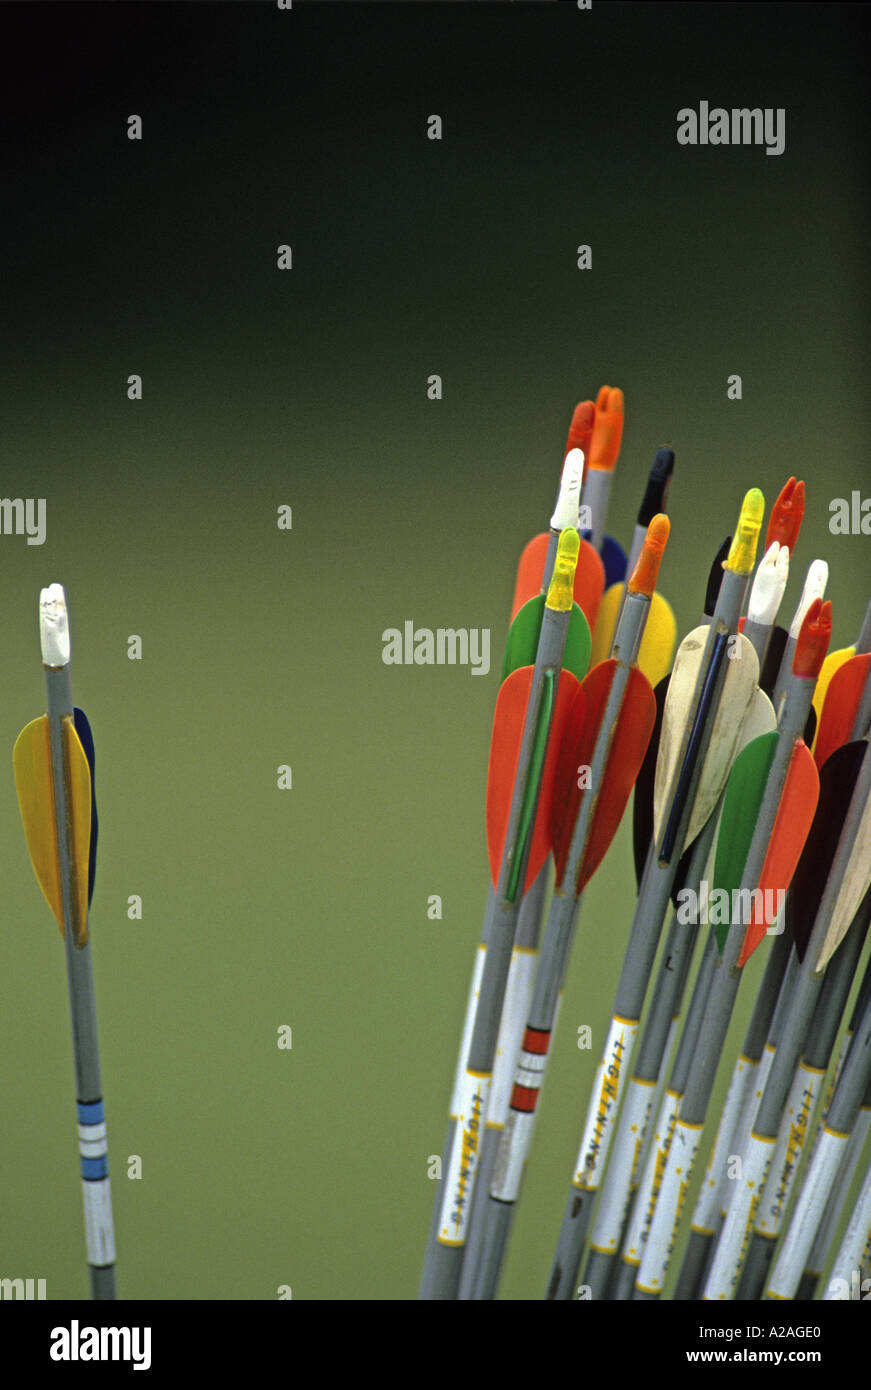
(808, 982)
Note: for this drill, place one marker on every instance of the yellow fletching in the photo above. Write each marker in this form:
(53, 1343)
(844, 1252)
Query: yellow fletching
(31, 759)
(659, 640)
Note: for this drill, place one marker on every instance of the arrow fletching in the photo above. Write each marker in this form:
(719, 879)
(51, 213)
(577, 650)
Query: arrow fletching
(508, 723)
(589, 581)
(660, 634)
(628, 743)
(744, 793)
(795, 813)
(832, 664)
(86, 738)
(843, 697)
(837, 779)
(522, 642)
(31, 759)
(857, 881)
(737, 691)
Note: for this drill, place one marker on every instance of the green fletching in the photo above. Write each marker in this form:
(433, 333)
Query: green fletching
(744, 792)
(522, 642)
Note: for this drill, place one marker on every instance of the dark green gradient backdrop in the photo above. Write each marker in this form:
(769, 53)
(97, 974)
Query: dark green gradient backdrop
(261, 647)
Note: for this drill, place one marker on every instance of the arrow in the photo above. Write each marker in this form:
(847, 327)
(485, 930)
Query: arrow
(55, 794)
(629, 1163)
(660, 632)
(837, 893)
(520, 650)
(642, 808)
(653, 897)
(642, 1099)
(527, 726)
(806, 1088)
(536, 561)
(601, 461)
(832, 1216)
(606, 734)
(757, 874)
(784, 526)
(852, 1252)
(829, 1152)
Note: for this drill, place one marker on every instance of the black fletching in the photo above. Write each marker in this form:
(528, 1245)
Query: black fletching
(86, 738)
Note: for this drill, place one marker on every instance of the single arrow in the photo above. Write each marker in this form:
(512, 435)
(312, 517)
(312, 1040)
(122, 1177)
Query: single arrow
(653, 898)
(520, 650)
(605, 740)
(527, 726)
(660, 632)
(601, 462)
(55, 794)
(784, 526)
(767, 870)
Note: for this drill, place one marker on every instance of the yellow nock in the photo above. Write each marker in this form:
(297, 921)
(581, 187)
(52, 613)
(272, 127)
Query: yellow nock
(560, 594)
(742, 556)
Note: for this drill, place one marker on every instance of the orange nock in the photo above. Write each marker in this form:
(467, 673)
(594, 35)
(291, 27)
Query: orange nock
(644, 575)
(608, 429)
(581, 428)
(813, 640)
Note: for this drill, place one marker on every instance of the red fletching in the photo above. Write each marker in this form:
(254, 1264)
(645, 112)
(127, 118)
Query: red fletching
(841, 706)
(508, 721)
(792, 824)
(629, 741)
(589, 577)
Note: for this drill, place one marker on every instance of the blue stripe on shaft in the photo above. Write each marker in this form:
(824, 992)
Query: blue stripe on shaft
(94, 1168)
(91, 1112)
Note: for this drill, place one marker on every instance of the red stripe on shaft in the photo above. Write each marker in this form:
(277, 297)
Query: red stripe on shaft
(535, 1041)
(523, 1098)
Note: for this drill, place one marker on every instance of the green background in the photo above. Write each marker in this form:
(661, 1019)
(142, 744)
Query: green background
(308, 907)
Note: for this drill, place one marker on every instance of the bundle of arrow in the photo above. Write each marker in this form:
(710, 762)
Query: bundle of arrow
(750, 759)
